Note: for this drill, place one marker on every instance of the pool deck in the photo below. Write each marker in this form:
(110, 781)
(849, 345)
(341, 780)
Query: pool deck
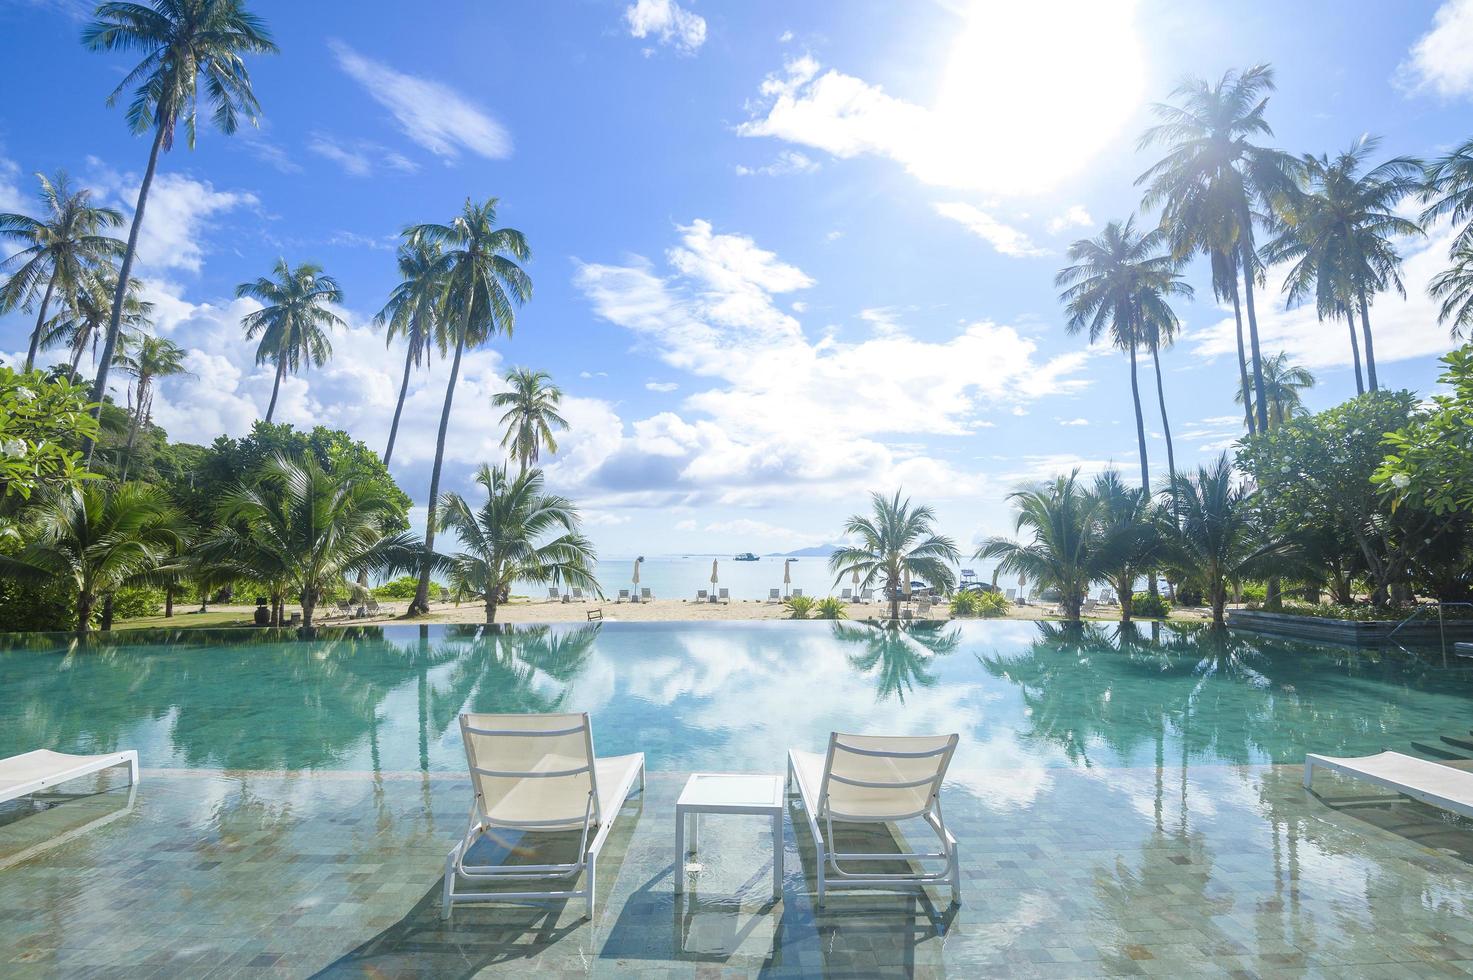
(1218, 870)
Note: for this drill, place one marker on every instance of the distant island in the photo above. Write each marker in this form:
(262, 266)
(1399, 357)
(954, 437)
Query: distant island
(817, 551)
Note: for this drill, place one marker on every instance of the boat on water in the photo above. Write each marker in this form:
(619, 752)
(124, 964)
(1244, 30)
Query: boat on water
(746, 556)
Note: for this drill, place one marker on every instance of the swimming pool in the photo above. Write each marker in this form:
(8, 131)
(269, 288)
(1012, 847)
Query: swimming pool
(723, 695)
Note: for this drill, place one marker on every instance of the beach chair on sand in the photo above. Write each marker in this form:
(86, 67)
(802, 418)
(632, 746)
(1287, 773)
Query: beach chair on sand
(645, 595)
(623, 596)
(344, 608)
(1011, 595)
(553, 595)
(866, 595)
(846, 595)
(536, 774)
(871, 779)
(724, 596)
(577, 594)
(774, 595)
(701, 595)
(798, 593)
(923, 607)
(1088, 607)
(374, 609)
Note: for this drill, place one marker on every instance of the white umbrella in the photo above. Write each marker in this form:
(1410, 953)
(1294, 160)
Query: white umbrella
(855, 580)
(713, 571)
(636, 580)
(787, 575)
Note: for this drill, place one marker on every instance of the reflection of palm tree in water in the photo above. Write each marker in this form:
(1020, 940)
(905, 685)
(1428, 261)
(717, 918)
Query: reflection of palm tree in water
(498, 670)
(897, 655)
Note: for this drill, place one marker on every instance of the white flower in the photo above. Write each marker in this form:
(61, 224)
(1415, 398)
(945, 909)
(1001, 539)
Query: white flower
(1401, 481)
(12, 447)
(24, 394)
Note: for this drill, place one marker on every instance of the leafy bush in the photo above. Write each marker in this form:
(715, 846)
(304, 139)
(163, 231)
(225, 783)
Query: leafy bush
(1369, 613)
(402, 587)
(799, 606)
(1255, 592)
(965, 603)
(42, 421)
(831, 608)
(130, 602)
(991, 605)
(1148, 606)
(30, 608)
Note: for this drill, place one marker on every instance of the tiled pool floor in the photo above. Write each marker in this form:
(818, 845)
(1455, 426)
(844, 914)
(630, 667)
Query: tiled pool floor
(1068, 872)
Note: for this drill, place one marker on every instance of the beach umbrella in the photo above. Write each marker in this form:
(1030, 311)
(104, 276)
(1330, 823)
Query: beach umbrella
(713, 571)
(855, 580)
(636, 577)
(787, 575)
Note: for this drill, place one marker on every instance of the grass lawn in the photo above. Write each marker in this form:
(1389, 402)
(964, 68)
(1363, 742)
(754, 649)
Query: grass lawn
(183, 620)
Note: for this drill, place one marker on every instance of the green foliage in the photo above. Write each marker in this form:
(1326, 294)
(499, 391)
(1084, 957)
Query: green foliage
(1255, 592)
(830, 608)
(965, 603)
(991, 605)
(34, 607)
(799, 606)
(1430, 458)
(1149, 606)
(402, 587)
(896, 543)
(42, 421)
(132, 601)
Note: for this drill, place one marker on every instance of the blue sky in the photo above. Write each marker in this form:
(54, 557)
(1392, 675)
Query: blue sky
(783, 254)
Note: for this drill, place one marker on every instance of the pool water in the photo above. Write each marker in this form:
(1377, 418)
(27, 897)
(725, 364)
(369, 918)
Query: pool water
(1026, 697)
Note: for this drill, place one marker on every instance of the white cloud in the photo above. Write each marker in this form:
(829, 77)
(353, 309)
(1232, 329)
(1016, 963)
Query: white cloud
(11, 198)
(770, 535)
(1007, 118)
(1080, 421)
(749, 437)
(833, 236)
(585, 375)
(1075, 217)
(1439, 61)
(180, 211)
(784, 37)
(785, 163)
(434, 115)
(1006, 239)
(360, 158)
(668, 23)
(268, 152)
(1402, 328)
(661, 385)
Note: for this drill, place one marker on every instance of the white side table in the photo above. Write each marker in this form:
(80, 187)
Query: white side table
(761, 795)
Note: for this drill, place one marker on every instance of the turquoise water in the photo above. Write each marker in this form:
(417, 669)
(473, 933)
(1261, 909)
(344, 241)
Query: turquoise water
(724, 696)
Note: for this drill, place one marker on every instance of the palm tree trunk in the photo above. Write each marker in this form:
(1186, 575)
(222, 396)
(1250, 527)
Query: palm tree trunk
(1243, 363)
(40, 321)
(85, 601)
(421, 603)
(110, 347)
(169, 601)
(491, 607)
(1365, 326)
(275, 388)
(1360, 385)
(1246, 251)
(399, 406)
(77, 356)
(894, 596)
(1140, 422)
(133, 430)
(1165, 430)
(309, 603)
(107, 612)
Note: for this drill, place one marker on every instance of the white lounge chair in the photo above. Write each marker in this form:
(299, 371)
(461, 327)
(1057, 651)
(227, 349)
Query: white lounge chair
(846, 595)
(1011, 595)
(577, 594)
(536, 773)
(645, 595)
(31, 772)
(724, 596)
(774, 595)
(553, 595)
(923, 607)
(1430, 782)
(623, 596)
(876, 779)
(866, 595)
(798, 593)
(701, 595)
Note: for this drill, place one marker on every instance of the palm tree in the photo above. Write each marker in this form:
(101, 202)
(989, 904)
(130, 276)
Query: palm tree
(96, 537)
(308, 527)
(1454, 286)
(531, 414)
(1065, 553)
(181, 40)
(520, 534)
(148, 359)
(1338, 232)
(1447, 190)
(1119, 283)
(57, 250)
(413, 312)
(1212, 175)
(1128, 539)
(1282, 383)
(82, 325)
(484, 285)
(293, 321)
(1220, 537)
(897, 542)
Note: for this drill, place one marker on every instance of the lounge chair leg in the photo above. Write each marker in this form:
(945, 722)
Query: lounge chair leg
(820, 858)
(592, 866)
(956, 878)
(448, 893)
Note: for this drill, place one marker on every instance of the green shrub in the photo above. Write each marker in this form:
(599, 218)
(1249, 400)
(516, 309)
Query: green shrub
(1148, 606)
(799, 606)
(130, 602)
(29, 608)
(831, 608)
(965, 603)
(991, 605)
(1255, 592)
(402, 587)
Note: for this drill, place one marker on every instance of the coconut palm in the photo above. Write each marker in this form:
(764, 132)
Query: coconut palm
(309, 527)
(1282, 383)
(1219, 537)
(413, 312)
(1128, 540)
(80, 327)
(56, 251)
(1454, 286)
(531, 414)
(1065, 552)
(96, 537)
(1338, 235)
(1447, 190)
(896, 543)
(148, 359)
(181, 41)
(484, 285)
(520, 534)
(293, 321)
(1213, 175)
(1119, 284)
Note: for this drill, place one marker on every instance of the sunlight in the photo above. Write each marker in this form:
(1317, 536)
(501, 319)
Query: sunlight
(1032, 92)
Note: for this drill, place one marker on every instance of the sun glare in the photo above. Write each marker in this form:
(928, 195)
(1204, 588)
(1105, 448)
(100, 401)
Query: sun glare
(1031, 92)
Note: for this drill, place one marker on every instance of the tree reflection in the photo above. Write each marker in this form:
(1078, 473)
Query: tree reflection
(896, 655)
